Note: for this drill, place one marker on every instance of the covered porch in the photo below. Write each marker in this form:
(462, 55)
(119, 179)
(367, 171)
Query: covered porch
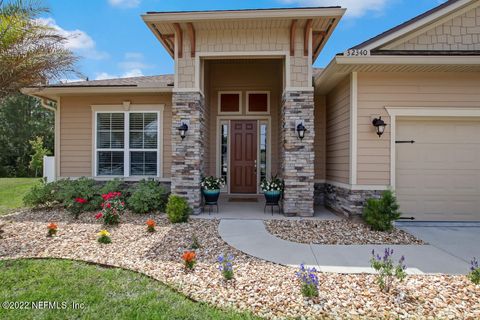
(253, 208)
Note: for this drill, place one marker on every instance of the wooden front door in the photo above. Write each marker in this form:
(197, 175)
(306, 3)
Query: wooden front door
(243, 157)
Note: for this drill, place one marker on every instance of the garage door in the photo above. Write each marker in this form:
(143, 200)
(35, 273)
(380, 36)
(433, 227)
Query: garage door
(438, 176)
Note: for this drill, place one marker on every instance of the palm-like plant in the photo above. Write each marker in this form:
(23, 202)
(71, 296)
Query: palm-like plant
(31, 53)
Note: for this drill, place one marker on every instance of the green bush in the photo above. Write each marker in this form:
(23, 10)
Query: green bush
(177, 209)
(380, 213)
(84, 188)
(42, 195)
(67, 192)
(115, 185)
(147, 196)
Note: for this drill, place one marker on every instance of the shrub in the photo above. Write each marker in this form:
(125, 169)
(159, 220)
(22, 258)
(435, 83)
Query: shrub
(474, 274)
(147, 196)
(112, 208)
(177, 209)
(387, 271)
(309, 281)
(226, 266)
(42, 195)
(380, 213)
(115, 185)
(84, 188)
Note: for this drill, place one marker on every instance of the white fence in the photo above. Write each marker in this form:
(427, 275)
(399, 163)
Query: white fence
(49, 168)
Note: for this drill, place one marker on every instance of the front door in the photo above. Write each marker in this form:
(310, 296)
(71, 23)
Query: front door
(243, 156)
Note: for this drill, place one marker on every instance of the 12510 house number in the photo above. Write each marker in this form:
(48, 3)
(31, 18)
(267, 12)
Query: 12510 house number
(357, 53)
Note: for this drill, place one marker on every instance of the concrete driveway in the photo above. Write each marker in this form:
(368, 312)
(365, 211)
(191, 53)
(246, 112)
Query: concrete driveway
(459, 239)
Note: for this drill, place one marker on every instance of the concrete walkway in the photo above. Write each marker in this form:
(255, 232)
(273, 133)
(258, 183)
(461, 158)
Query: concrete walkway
(251, 237)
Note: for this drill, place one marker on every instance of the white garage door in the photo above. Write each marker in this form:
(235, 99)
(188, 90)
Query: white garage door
(438, 177)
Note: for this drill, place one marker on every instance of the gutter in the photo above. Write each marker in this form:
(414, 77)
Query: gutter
(44, 104)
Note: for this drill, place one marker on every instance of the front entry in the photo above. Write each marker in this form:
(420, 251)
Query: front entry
(243, 155)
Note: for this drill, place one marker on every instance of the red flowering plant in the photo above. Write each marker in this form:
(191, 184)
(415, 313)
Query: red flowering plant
(112, 208)
(77, 206)
(190, 259)
(52, 229)
(151, 225)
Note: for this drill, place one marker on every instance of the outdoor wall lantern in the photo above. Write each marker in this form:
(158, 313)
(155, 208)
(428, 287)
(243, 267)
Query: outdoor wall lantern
(379, 125)
(182, 129)
(301, 130)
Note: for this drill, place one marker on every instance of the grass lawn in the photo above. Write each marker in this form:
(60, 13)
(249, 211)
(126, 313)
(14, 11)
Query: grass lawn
(106, 293)
(12, 191)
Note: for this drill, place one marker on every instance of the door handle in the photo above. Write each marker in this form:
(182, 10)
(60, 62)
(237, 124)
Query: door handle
(255, 165)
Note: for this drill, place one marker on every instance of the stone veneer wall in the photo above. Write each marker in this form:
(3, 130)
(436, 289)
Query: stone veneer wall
(188, 155)
(348, 202)
(297, 156)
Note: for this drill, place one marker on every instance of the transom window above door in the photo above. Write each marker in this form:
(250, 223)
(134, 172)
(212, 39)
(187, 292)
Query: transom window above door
(258, 102)
(127, 144)
(230, 102)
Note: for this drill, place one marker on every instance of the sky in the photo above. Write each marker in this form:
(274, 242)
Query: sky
(113, 41)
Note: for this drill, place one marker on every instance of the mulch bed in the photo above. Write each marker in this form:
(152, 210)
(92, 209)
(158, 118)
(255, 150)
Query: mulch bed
(341, 232)
(266, 289)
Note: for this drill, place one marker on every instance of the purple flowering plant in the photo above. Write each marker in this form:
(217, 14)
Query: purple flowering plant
(474, 274)
(308, 280)
(226, 265)
(386, 269)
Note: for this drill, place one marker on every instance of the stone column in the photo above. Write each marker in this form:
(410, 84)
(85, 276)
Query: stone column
(188, 154)
(298, 156)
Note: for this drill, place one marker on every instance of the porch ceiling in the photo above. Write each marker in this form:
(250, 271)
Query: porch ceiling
(323, 21)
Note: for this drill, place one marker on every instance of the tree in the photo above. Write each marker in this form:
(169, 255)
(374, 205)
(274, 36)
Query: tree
(22, 118)
(36, 162)
(31, 53)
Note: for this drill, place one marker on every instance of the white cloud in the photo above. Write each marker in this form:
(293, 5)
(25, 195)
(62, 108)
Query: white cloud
(134, 60)
(355, 8)
(133, 73)
(77, 40)
(124, 3)
(126, 74)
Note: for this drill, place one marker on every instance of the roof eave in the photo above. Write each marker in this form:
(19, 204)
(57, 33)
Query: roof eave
(246, 14)
(53, 93)
(332, 73)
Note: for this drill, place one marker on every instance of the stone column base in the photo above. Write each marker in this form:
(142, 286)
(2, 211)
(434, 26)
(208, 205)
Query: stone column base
(348, 202)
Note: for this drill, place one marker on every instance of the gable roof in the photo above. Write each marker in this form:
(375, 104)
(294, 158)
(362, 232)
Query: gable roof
(414, 24)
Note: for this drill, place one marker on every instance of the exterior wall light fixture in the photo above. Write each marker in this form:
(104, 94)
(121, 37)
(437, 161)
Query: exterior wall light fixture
(182, 129)
(301, 130)
(379, 125)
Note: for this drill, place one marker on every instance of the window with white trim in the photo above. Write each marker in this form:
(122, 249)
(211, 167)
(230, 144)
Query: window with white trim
(127, 143)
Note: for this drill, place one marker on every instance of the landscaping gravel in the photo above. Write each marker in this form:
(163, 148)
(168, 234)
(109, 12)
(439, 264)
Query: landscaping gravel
(266, 289)
(336, 232)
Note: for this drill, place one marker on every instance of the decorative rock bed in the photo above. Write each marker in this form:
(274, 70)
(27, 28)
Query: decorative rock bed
(336, 232)
(266, 289)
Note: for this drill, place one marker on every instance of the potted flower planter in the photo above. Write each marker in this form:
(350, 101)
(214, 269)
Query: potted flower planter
(272, 197)
(211, 196)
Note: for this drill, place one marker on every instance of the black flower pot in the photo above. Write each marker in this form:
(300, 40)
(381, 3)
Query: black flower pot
(211, 196)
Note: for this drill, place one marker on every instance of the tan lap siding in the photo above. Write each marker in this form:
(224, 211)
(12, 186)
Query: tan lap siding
(379, 90)
(76, 141)
(338, 133)
(319, 143)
